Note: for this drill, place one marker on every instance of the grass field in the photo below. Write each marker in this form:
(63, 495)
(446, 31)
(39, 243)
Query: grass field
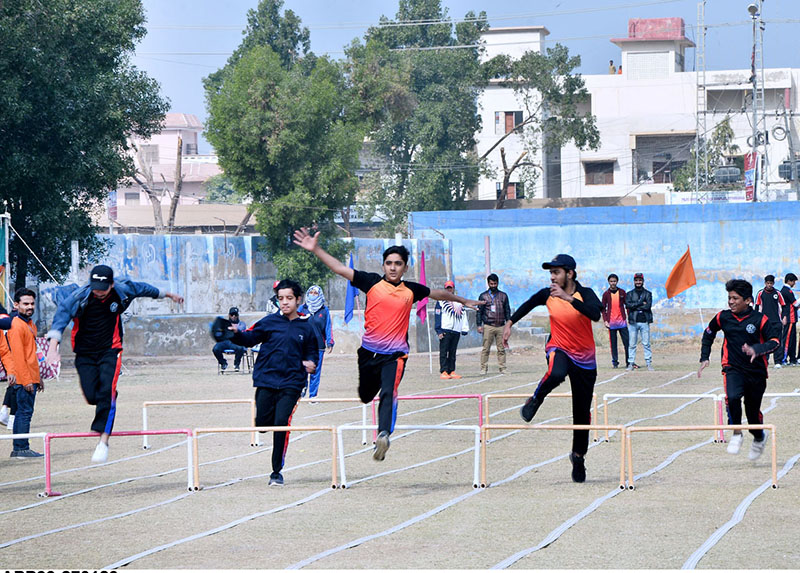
(693, 505)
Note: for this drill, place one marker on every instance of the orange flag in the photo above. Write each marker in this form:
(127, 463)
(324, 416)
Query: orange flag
(682, 275)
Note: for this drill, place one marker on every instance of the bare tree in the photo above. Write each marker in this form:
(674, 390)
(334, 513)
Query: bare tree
(145, 169)
(176, 195)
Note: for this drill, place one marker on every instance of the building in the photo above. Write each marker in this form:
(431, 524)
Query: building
(647, 118)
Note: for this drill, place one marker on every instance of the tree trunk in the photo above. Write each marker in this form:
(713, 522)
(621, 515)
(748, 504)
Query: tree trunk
(173, 206)
(20, 272)
(155, 201)
(507, 171)
(243, 224)
(346, 220)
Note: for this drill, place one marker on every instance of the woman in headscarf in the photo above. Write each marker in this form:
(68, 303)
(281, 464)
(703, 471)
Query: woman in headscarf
(314, 306)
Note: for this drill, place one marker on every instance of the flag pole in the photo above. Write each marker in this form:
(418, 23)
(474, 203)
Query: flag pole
(430, 347)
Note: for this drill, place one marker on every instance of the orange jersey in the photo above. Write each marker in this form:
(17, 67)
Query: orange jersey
(18, 351)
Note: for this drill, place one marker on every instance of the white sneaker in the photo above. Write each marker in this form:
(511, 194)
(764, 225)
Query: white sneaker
(100, 453)
(10, 425)
(778, 366)
(758, 447)
(735, 443)
(4, 415)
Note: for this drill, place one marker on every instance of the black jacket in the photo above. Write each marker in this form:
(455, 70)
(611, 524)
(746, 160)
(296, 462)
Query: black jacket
(284, 345)
(751, 327)
(496, 311)
(638, 303)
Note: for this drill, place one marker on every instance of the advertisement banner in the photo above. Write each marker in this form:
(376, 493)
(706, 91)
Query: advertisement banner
(750, 160)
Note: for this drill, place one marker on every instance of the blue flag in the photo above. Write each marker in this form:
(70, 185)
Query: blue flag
(350, 297)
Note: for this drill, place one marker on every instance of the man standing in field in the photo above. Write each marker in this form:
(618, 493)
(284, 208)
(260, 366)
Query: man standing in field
(789, 334)
(614, 318)
(490, 318)
(749, 338)
(639, 303)
(770, 302)
(384, 346)
(570, 349)
(96, 310)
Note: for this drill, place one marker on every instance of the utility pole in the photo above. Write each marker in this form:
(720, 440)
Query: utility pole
(701, 151)
(753, 10)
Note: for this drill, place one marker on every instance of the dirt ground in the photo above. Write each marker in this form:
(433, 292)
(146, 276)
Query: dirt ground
(418, 508)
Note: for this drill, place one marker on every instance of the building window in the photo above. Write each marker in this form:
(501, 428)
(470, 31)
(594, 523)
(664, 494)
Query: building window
(132, 198)
(599, 172)
(505, 121)
(515, 190)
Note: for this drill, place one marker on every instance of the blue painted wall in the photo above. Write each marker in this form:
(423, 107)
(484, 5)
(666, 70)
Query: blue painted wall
(727, 241)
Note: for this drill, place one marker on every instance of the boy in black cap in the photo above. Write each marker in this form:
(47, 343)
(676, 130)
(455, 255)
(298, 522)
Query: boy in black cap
(223, 335)
(570, 349)
(95, 310)
(749, 338)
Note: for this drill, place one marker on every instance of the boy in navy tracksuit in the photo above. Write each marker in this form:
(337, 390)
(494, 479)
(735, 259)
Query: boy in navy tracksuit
(749, 338)
(288, 354)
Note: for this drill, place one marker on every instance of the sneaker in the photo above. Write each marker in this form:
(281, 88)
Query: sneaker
(100, 453)
(4, 415)
(503, 370)
(223, 367)
(381, 446)
(636, 366)
(629, 368)
(758, 447)
(528, 410)
(578, 468)
(276, 479)
(455, 376)
(25, 454)
(235, 368)
(303, 392)
(778, 366)
(10, 424)
(444, 376)
(735, 443)
(615, 366)
(484, 371)
(650, 368)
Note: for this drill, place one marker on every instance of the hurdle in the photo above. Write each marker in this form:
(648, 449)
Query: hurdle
(716, 418)
(551, 395)
(28, 436)
(253, 437)
(334, 400)
(48, 492)
(197, 431)
(465, 428)
(487, 427)
(478, 397)
(631, 429)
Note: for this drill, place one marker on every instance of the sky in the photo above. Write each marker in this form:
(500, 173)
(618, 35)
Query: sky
(189, 39)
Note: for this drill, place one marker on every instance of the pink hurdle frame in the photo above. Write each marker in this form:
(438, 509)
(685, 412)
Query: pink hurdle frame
(48, 492)
(478, 397)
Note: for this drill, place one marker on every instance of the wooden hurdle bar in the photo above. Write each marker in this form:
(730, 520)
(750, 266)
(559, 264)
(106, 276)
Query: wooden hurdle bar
(716, 419)
(551, 395)
(48, 492)
(487, 427)
(197, 431)
(478, 397)
(334, 400)
(476, 429)
(254, 440)
(631, 429)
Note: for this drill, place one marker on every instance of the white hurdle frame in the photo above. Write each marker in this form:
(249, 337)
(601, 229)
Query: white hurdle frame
(717, 419)
(255, 440)
(28, 436)
(333, 401)
(364, 427)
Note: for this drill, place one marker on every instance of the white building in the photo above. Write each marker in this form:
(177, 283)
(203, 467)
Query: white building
(647, 118)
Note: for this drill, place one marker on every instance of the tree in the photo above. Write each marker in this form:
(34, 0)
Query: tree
(283, 129)
(718, 149)
(70, 99)
(550, 92)
(219, 189)
(418, 95)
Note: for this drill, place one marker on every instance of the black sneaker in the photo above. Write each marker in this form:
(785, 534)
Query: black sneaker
(303, 393)
(275, 479)
(235, 368)
(223, 367)
(381, 446)
(578, 468)
(529, 409)
(25, 454)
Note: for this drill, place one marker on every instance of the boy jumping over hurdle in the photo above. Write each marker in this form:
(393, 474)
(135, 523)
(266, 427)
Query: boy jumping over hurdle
(384, 346)
(749, 339)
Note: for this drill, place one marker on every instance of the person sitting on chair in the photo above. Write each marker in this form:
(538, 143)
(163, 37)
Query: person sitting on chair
(223, 337)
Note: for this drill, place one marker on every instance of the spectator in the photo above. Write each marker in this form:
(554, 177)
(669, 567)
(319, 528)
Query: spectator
(789, 334)
(315, 307)
(451, 324)
(272, 303)
(638, 302)
(612, 69)
(491, 319)
(222, 333)
(770, 303)
(614, 318)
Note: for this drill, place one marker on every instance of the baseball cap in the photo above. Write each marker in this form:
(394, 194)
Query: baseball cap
(638, 276)
(275, 284)
(101, 277)
(449, 284)
(234, 310)
(561, 261)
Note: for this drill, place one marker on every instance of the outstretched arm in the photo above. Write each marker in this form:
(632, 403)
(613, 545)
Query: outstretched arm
(441, 294)
(303, 238)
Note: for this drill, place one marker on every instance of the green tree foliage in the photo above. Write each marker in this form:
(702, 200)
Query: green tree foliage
(281, 126)
(69, 99)
(419, 99)
(551, 93)
(719, 148)
(219, 189)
